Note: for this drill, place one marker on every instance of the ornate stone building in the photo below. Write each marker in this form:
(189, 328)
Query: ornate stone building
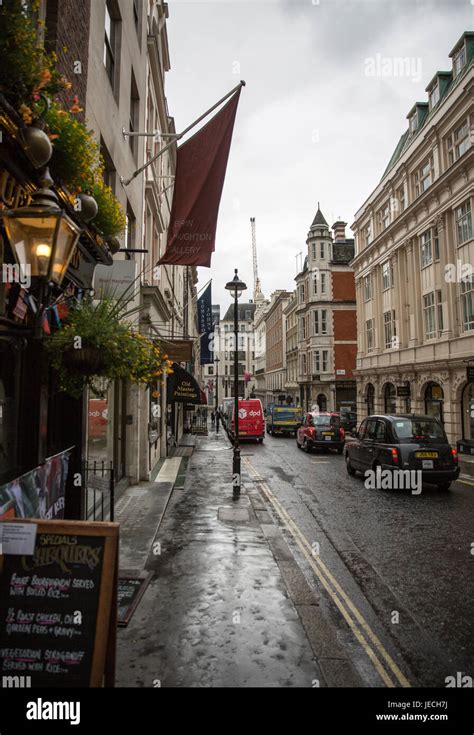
(413, 262)
(326, 317)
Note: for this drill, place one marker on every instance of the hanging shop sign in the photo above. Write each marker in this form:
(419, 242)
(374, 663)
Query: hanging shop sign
(115, 279)
(178, 350)
(182, 387)
(58, 604)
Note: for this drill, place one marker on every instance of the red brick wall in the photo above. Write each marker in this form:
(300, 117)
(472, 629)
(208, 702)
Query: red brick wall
(68, 25)
(343, 286)
(345, 358)
(345, 324)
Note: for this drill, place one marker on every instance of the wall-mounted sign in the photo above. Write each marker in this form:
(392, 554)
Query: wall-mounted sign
(178, 350)
(115, 279)
(403, 391)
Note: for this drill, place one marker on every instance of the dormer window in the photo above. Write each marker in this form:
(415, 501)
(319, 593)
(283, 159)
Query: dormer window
(434, 96)
(459, 61)
(413, 123)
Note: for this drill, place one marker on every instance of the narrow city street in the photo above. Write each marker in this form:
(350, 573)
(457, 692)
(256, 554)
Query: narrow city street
(389, 551)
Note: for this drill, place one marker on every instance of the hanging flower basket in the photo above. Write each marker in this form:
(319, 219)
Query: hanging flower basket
(85, 361)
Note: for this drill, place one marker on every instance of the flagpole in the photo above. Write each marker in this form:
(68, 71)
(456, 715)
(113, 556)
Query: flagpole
(180, 135)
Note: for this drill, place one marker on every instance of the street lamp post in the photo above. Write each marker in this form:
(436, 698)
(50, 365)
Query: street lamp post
(217, 361)
(236, 286)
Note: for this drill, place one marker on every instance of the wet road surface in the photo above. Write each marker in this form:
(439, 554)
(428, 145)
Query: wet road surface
(405, 561)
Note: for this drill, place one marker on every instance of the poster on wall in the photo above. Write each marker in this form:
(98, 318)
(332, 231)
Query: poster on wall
(38, 493)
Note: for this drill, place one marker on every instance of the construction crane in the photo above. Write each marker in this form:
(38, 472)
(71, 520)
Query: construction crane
(256, 280)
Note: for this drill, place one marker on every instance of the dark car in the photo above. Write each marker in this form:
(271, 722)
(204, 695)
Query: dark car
(405, 442)
(323, 430)
(348, 420)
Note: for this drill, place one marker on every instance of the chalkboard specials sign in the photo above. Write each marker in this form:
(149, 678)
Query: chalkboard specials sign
(130, 590)
(58, 606)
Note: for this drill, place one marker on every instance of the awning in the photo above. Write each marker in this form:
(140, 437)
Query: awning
(182, 387)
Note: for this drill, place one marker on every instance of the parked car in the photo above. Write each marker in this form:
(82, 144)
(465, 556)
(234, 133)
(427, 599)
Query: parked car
(404, 442)
(283, 420)
(251, 425)
(323, 430)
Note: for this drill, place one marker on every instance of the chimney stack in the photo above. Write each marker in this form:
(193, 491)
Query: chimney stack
(339, 228)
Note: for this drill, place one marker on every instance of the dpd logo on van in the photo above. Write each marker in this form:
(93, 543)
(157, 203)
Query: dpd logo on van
(242, 413)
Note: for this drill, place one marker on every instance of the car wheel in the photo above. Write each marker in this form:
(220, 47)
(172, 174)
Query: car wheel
(260, 439)
(306, 446)
(340, 450)
(444, 485)
(349, 467)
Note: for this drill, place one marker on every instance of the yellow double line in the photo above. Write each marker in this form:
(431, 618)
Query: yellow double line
(384, 664)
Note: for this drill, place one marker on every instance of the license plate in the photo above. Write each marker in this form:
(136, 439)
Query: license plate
(427, 464)
(426, 455)
(327, 433)
(328, 438)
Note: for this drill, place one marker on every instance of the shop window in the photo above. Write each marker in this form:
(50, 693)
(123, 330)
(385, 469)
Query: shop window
(434, 399)
(468, 412)
(390, 399)
(370, 399)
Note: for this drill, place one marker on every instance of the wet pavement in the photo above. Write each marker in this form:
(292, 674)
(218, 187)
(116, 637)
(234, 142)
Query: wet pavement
(405, 561)
(309, 580)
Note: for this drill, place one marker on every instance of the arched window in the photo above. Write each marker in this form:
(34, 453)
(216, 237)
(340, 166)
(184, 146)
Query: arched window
(434, 400)
(390, 398)
(370, 395)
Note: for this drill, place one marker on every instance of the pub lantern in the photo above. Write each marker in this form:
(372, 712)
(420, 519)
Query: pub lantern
(42, 236)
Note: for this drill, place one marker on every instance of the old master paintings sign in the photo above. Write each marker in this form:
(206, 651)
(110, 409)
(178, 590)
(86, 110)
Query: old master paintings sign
(58, 604)
(204, 306)
(38, 493)
(182, 387)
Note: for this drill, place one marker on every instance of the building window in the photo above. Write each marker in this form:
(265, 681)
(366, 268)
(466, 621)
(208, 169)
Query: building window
(458, 142)
(303, 364)
(370, 399)
(368, 288)
(109, 173)
(320, 322)
(459, 60)
(325, 361)
(387, 275)
(390, 399)
(315, 283)
(317, 362)
(136, 14)
(434, 96)
(248, 315)
(369, 334)
(424, 177)
(426, 249)
(384, 216)
(462, 216)
(302, 328)
(301, 298)
(368, 234)
(110, 42)
(413, 123)
(210, 370)
(429, 315)
(467, 304)
(130, 228)
(390, 330)
(400, 199)
(323, 283)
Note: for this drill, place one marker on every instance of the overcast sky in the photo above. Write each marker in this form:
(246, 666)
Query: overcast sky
(312, 124)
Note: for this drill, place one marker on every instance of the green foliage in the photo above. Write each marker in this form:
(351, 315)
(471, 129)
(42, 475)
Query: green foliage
(110, 219)
(125, 354)
(26, 70)
(76, 154)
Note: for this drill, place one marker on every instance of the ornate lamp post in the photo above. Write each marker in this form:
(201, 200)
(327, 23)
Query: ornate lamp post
(236, 286)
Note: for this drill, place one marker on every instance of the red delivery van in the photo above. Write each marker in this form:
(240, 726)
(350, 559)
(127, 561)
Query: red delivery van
(251, 423)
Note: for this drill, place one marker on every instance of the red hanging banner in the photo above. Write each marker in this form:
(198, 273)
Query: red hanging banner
(200, 172)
